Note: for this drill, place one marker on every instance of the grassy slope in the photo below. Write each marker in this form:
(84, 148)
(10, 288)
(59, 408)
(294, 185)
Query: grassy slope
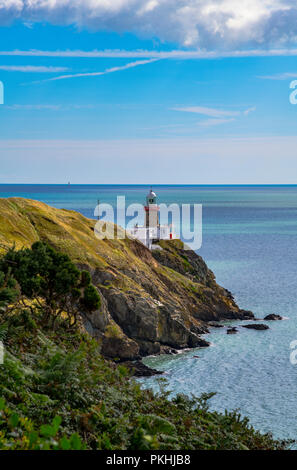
(23, 221)
(132, 267)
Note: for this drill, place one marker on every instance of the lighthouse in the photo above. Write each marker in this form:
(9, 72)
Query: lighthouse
(151, 232)
(151, 211)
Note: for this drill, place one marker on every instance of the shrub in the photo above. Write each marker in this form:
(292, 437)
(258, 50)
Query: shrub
(51, 280)
(8, 289)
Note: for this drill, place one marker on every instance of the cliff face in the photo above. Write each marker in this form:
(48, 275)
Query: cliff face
(151, 301)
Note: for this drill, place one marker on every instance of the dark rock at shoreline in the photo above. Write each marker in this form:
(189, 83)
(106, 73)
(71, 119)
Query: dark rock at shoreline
(197, 342)
(248, 314)
(168, 350)
(273, 316)
(256, 326)
(149, 348)
(140, 370)
(232, 330)
(215, 324)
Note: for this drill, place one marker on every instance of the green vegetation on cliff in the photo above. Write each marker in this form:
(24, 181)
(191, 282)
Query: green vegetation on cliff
(58, 392)
(56, 389)
(50, 282)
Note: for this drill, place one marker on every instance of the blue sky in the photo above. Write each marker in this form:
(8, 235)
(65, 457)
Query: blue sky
(149, 96)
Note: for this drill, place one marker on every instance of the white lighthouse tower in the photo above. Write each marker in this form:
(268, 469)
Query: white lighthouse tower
(151, 210)
(152, 231)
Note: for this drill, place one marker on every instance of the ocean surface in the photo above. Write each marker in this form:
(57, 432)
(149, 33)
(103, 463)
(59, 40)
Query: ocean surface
(249, 241)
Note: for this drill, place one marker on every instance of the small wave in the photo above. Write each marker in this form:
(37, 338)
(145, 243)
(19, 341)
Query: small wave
(181, 351)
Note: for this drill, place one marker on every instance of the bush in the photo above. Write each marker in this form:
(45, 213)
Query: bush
(8, 289)
(19, 433)
(50, 280)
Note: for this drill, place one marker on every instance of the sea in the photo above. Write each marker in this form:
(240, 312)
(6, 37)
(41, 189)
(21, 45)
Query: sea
(249, 241)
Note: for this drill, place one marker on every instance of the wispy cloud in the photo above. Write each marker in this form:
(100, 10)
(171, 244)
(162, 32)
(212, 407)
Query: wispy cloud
(104, 72)
(155, 54)
(214, 122)
(36, 107)
(216, 116)
(212, 112)
(51, 107)
(33, 69)
(249, 110)
(279, 76)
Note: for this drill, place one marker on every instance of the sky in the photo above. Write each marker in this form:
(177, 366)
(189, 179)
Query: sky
(148, 91)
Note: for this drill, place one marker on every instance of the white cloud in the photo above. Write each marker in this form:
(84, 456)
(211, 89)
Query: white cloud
(216, 116)
(215, 122)
(249, 110)
(32, 69)
(155, 54)
(51, 107)
(279, 76)
(31, 107)
(212, 112)
(104, 72)
(208, 24)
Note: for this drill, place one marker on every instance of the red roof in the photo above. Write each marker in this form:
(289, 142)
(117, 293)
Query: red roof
(151, 208)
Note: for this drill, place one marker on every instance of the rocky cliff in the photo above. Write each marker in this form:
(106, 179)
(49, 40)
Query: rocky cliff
(151, 302)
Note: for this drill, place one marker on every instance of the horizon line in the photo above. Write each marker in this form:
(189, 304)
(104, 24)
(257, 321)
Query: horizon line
(145, 184)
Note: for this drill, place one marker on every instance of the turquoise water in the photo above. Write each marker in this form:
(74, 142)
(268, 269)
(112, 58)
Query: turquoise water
(249, 241)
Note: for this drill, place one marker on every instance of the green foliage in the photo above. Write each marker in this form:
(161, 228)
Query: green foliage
(50, 279)
(8, 289)
(85, 278)
(91, 299)
(19, 433)
(41, 271)
(59, 393)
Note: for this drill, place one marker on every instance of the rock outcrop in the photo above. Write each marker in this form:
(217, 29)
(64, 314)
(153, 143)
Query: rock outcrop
(151, 302)
(231, 331)
(256, 326)
(139, 369)
(215, 324)
(273, 317)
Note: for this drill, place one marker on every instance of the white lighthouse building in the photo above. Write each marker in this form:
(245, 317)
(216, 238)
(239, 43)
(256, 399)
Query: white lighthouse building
(151, 232)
